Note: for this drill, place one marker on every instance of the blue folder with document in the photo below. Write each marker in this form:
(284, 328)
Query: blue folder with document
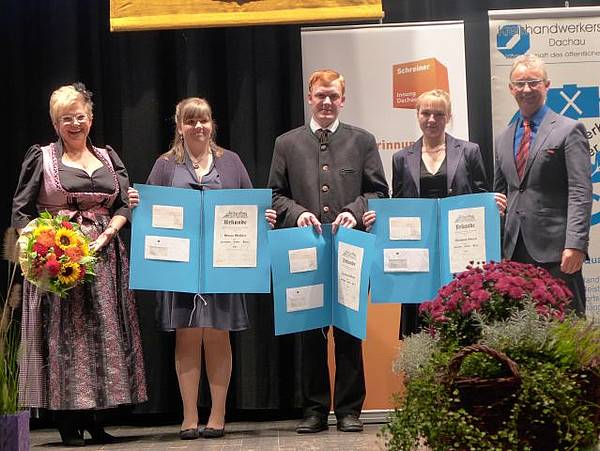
(421, 243)
(320, 280)
(193, 241)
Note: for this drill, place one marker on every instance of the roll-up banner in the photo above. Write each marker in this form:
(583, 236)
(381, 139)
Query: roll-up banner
(568, 40)
(386, 68)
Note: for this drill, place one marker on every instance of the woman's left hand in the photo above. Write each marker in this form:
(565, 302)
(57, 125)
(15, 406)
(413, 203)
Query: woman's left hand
(271, 217)
(500, 202)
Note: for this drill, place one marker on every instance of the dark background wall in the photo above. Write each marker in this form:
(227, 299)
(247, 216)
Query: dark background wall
(251, 76)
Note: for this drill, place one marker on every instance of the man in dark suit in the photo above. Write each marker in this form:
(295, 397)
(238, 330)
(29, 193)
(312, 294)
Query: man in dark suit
(324, 172)
(543, 166)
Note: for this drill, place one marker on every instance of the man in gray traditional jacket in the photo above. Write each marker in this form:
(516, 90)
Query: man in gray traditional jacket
(324, 172)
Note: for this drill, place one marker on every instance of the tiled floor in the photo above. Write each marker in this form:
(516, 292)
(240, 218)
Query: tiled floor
(264, 436)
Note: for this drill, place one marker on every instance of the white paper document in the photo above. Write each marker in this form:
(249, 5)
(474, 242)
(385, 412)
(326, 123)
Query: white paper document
(466, 237)
(235, 236)
(350, 259)
(405, 228)
(302, 260)
(167, 217)
(304, 298)
(166, 248)
(406, 260)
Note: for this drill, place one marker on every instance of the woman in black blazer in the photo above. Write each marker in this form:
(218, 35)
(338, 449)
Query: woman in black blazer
(437, 165)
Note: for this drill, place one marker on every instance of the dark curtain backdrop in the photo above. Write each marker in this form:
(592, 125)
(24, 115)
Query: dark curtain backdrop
(251, 76)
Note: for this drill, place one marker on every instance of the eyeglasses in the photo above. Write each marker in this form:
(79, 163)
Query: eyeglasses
(68, 119)
(520, 84)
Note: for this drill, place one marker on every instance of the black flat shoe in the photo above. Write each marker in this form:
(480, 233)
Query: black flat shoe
(189, 434)
(312, 424)
(101, 437)
(213, 433)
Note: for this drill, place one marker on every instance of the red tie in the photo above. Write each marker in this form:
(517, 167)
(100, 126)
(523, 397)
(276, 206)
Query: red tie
(523, 150)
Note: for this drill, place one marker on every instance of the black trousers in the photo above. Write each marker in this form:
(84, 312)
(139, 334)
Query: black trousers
(574, 281)
(349, 391)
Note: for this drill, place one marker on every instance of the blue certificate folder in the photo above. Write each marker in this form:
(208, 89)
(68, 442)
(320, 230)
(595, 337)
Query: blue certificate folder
(197, 275)
(325, 277)
(398, 281)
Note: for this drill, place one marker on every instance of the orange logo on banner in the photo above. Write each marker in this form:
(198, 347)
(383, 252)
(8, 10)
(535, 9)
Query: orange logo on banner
(414, 78)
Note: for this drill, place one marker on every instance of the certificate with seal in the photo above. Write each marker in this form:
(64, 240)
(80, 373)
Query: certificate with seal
(195, 241)
(421, 243)
(320, 280)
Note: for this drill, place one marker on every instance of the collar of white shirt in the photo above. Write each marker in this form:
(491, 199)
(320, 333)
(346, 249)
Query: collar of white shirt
(314, 126)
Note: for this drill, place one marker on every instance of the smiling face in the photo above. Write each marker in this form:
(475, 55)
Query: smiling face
(326, 100)
(196, 130)
(72, 123)
(529, 87)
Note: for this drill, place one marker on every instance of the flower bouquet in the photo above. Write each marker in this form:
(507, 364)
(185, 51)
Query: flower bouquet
(500, 364)
(55, 254)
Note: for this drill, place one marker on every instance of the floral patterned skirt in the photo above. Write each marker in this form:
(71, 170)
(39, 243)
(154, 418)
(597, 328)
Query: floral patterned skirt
(83, 351)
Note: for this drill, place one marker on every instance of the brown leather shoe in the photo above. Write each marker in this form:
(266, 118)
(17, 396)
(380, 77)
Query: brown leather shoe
(312, 424)
(349, 423)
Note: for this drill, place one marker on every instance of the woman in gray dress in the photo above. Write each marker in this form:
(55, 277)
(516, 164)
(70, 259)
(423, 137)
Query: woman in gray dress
(83, 352)
(200, 321)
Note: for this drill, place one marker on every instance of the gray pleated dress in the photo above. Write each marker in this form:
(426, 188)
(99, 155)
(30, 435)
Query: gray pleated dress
(179, 310)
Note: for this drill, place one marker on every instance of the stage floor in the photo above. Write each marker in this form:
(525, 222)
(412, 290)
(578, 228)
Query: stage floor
(263, 436)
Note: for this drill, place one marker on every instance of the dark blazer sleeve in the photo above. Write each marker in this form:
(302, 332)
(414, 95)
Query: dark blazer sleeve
(287, 209)
(24, 208)
(120, 206)
(579, 209)
(244, 178)
(159, 173)
(477, 175)
(500, 185)
(374, 185)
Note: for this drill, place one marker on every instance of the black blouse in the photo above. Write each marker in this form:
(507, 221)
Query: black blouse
(434, 186)
(73, 180)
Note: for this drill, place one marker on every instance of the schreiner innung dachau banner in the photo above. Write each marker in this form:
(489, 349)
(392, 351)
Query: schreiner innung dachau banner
(131, 15)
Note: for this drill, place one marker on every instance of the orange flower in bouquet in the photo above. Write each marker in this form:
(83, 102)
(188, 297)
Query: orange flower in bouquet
(55, 254)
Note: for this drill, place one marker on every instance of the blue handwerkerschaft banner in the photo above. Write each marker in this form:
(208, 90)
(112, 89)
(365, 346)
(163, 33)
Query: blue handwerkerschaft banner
(173, 240)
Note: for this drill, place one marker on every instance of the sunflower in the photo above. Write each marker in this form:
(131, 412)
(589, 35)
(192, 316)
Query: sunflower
(66, 238)
(69, 273)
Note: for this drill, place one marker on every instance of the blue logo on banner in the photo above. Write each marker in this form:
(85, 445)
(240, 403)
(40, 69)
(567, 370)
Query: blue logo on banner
(512, 40)
(575, 102)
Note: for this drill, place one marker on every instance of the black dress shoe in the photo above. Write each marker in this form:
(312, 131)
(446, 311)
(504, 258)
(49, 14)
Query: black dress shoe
(349, 423)
(213, 433)
(70, 435)
(189, 434)
(312, 424)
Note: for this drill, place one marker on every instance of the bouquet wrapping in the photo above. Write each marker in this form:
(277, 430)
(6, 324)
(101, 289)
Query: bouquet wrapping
(54, 254)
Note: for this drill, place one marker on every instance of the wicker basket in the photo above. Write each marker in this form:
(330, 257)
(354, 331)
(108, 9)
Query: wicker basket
(488, 400)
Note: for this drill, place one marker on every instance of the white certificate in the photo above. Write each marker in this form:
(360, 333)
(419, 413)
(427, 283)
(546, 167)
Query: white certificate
(304, 298)
(235, 236)
(303, 260)
(167, 217)
(407, 228)
(406, 260)
(350, 260)
(166, 248)
(466, 237)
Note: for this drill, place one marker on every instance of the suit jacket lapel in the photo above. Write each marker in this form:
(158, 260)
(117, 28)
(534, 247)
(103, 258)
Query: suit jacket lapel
(454, 153)
(413, 159)
(543, 131)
